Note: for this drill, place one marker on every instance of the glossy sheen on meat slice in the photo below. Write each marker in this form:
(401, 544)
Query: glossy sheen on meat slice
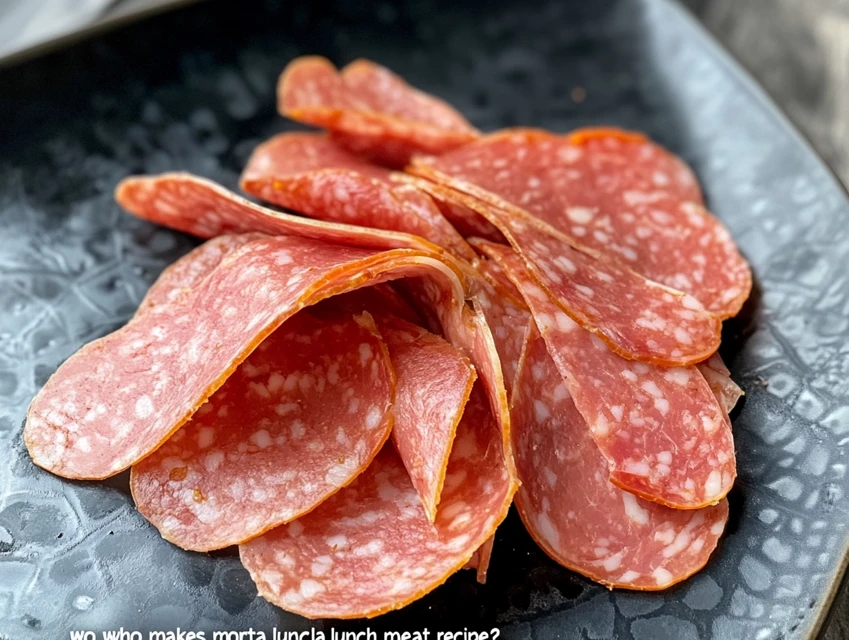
(622, 196)
(434, 384)
(662, 431)
(120, 397)
(310, 174)
(575, 514)
(370, 548)
(302, 417)
(638, 318)
(370, 109)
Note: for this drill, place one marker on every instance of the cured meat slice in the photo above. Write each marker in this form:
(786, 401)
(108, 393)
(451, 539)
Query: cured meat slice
(661, 430)
(719, 378)
(434, 381)
(633, 161)
(507, 316)
(579, 518)
(299, 419)
(310, 174)
(370, 109)
(202, 208)
(370, 548)
(434, 384)
(122, 396)
(638, 318)
(191, 269)
(619, 195)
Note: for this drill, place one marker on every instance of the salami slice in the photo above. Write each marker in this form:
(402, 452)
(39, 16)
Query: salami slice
(370, 548)
(638, 318)
(299, 419)
(370, 110)
(633, 161)
(310, 174)
(122, 396)
(617, 194)
(661, 430)
(579, 518)
(719, 378)
(507, 316)
(434, 383)
(202, 208)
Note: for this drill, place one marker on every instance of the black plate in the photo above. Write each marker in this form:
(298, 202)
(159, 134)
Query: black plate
(195, 91)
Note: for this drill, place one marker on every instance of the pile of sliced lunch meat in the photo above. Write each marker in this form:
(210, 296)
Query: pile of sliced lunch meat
(355, 393)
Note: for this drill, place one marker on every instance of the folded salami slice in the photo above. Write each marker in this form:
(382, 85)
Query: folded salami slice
(434, 383)
(297, 421)
(614, 193)
(662, 431)
(370, 110)
(638, 318)
(310, 174)
(370, 548)
(579, 518)
(122, 396)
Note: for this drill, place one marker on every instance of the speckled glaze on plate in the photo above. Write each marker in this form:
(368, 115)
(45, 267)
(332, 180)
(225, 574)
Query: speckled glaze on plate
(194, 90)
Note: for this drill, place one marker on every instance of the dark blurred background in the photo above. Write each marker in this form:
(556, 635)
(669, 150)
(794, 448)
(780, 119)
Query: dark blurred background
(799, 51)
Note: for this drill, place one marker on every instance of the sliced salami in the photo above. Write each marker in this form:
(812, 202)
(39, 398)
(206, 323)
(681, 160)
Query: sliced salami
(370, 548)
(507, 316)
(370, 110)
(310, 174)
(579, 518)
(638, 318)
(120, 397)
(299, 419)
(615, 193)
(202, 208)
(434, 384)
(661, 430)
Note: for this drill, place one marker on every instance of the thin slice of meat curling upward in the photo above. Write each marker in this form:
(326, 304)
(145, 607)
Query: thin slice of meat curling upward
(638, 318)
(120, 397)
(662, 431)
(370, 110)
(624, 198)
(434, 381)
(575, 514)
(302, 417)
(434, 384)
(370, 548)
(311, 174)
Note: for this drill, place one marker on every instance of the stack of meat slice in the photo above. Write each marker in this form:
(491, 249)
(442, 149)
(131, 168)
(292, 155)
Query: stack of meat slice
(519, 313)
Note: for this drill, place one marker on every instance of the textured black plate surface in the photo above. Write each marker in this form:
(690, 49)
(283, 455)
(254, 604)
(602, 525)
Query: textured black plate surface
(195, 91)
